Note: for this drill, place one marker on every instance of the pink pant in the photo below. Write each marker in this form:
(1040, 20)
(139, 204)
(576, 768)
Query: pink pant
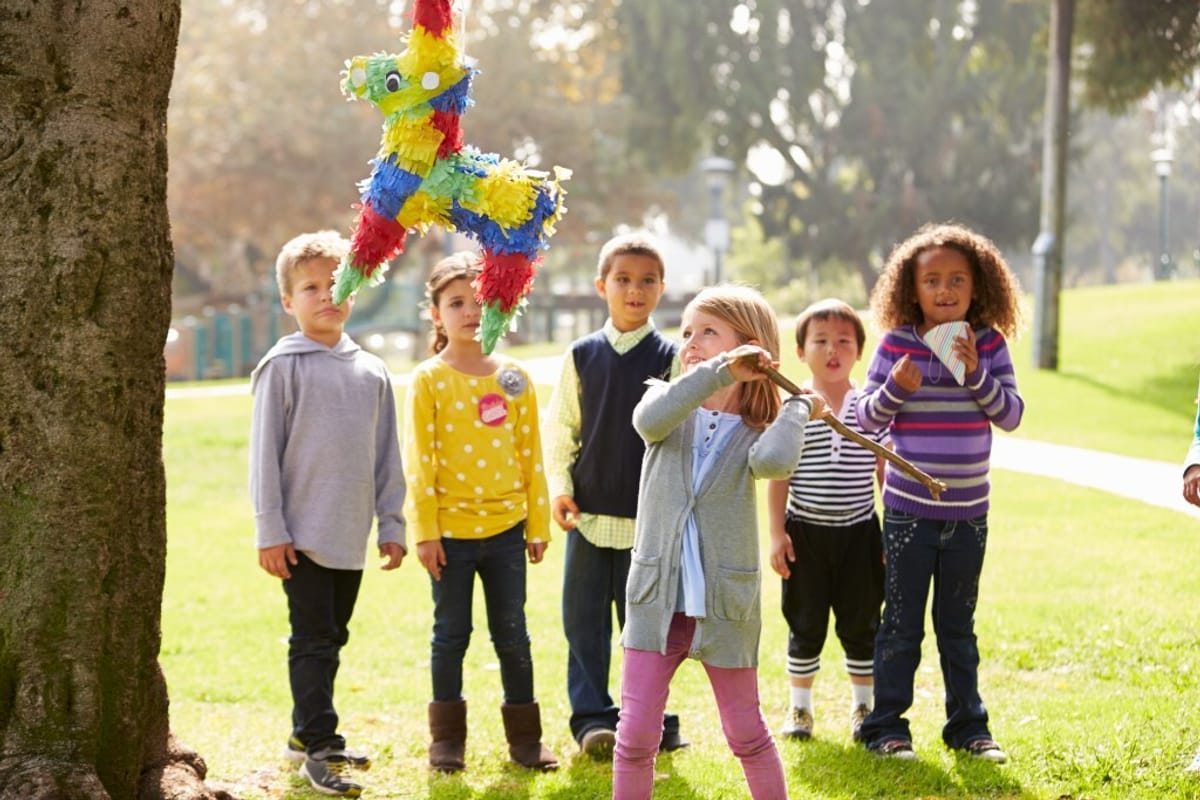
(645, 684)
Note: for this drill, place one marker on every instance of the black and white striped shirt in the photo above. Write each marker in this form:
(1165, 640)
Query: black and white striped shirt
(834, 483)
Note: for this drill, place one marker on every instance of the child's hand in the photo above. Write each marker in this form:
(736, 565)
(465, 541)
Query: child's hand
(432, 557)
(275, 560)
(1191, 484)
(536, 550)
(782, 554)
(565, 512)
(394, 554)
(819, 408)
(744, 362)
(965, 347)
(908, 374)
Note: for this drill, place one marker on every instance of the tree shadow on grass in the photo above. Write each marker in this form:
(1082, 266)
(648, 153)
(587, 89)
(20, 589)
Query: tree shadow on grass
(829, 768)
(1172, 392)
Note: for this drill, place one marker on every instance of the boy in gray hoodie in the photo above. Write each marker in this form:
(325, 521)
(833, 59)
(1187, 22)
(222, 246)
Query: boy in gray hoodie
(324, 466)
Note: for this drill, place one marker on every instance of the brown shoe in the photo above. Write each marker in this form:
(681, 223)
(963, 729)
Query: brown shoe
(523, 729)
(448, 734)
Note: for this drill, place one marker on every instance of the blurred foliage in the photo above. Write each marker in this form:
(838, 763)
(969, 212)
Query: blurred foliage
(1130, 47)
(866, 119)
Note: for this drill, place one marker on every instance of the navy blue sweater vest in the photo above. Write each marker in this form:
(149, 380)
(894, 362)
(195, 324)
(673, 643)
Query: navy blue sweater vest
(609, 464)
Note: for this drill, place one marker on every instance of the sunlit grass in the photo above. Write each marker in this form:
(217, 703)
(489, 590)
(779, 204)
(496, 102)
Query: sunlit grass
(1088, 622)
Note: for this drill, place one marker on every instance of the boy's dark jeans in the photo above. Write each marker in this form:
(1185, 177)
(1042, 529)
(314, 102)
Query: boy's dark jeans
(593, 582)
(500, 563)
(949, 554)
(320, 602)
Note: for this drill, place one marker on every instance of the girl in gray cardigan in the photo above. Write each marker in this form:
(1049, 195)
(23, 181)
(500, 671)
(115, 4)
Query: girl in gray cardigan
(694, 579)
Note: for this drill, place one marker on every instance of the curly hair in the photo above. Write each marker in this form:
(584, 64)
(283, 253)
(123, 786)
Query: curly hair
(459, 266)
(751, 317)
(997, 300)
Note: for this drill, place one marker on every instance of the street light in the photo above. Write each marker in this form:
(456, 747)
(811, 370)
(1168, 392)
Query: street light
(1162, 158)
(716, 229)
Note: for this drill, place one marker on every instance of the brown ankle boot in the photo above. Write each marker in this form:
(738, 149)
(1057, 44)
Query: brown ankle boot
(448, 731)
(523, 729)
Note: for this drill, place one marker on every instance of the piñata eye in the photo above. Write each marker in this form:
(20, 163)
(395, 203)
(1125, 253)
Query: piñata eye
(392, 82)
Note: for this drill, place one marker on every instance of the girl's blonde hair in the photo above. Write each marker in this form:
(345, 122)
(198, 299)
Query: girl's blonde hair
(459, 266)
(751, 317)
(997, 301)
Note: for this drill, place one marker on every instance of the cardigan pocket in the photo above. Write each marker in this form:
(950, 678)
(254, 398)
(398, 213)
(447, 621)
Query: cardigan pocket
(736, 593)
(642, 584)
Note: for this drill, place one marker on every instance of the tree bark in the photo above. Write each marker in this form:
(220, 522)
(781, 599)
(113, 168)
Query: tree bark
(85, 274)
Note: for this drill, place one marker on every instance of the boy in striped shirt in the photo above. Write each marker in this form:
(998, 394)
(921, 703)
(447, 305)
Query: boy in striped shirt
(825, 535)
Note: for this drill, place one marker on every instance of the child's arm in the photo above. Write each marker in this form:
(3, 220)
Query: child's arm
(782, 553)
(389, 480)
(268, 436)
(665, 406)
(563, 428)
(420, 461)
(1191, 468)
(529, 453)
(891, 381)
(991, 380)
(777, 450)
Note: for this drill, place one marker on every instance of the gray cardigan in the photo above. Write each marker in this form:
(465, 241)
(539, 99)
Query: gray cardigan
(726, 515)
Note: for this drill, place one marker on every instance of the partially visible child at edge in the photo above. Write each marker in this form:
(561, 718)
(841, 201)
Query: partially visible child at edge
(594, 463)
(825, 536)
(1191, 493)
(477, 505)
(324, 463)
(694, 584)
(943, 273)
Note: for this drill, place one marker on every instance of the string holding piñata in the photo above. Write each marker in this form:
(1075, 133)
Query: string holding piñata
(423, 175)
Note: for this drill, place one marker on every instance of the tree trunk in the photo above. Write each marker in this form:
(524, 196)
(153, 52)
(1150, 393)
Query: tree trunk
(85, 275)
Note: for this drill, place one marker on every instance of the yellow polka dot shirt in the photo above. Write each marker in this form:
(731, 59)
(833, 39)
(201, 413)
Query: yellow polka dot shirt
(473, 454)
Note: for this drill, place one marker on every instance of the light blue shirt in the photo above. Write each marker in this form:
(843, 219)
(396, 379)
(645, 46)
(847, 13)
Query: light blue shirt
(712, 432)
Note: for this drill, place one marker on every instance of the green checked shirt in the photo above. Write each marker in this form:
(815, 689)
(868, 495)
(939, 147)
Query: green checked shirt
(562, 428)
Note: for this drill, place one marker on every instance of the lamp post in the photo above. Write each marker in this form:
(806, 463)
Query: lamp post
(716, 229)
(1162, 158)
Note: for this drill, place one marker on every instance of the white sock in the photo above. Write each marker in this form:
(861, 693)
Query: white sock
(802, 697)
(861, 695)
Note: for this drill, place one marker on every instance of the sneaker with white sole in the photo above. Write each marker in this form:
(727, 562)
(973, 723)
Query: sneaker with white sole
(901, 749)
(798, 724)
(329, 773)
(295, 753)
(857, 717)
(986, 750)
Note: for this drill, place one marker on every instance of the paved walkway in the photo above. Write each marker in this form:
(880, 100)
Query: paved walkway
(1157, 483)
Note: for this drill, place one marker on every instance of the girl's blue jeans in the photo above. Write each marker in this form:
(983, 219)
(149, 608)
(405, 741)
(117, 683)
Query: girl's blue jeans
(948, 554)
(499, 561)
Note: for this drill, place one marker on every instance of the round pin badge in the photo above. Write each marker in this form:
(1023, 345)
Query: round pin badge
(493, 409)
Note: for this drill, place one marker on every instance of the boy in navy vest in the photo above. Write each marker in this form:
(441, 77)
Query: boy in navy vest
(594, 465)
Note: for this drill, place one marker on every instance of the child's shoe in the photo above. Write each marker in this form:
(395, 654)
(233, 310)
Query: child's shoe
(598, 742)
(798, 724)
(328, 771)
(294, 752)
(448, 735)
(986, 750)
(894, 748)
(523, 730)
(1194, 767)
(857, 717)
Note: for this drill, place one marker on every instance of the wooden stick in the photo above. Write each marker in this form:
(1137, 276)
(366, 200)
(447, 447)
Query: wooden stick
(935, 486)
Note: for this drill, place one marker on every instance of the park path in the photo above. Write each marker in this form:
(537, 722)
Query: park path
(1157, 483)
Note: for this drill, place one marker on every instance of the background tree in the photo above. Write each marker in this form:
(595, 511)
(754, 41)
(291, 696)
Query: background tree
(85, 274)
(858, 121)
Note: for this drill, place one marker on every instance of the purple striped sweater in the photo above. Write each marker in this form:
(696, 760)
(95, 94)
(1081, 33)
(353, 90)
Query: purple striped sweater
(943, 428)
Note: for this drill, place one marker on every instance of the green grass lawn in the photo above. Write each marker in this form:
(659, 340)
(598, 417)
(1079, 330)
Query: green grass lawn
(1089, 619)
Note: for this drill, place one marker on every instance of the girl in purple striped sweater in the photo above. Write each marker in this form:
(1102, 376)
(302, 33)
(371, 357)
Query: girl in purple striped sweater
(942, 274)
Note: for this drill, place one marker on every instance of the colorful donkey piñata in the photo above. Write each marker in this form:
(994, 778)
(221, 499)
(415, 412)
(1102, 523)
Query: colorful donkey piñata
(423, 175)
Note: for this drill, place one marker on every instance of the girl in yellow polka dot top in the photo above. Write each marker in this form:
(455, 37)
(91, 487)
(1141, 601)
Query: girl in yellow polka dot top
(476, 505)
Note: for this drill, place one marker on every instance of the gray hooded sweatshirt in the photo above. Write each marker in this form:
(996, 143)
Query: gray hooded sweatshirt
(324, 451)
